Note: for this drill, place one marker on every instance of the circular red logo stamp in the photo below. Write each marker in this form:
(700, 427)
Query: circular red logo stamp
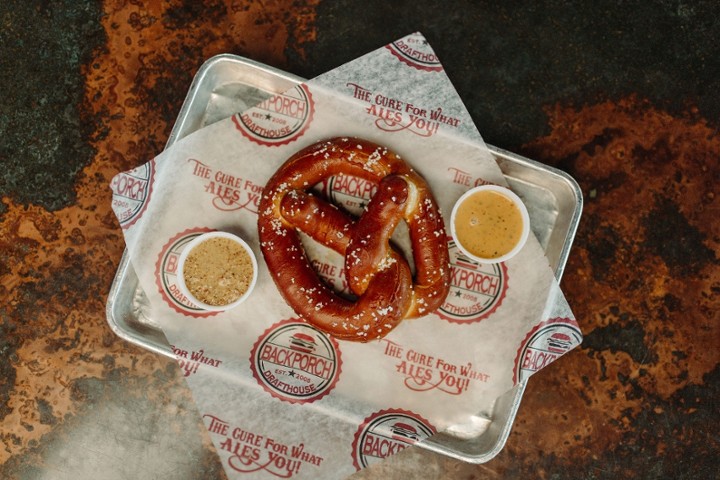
(351, 192)
(416, 52)
(476, 290)
(278, 120)
(386, 433)
(131, 193)
(166, 274)
(295, 362)
(544, 344)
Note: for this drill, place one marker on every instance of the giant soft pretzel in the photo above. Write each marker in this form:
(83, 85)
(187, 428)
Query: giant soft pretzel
(376, 273)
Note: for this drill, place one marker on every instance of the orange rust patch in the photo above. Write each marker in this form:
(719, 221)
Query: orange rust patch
(643, 281)
(57, 267)
(641, 393)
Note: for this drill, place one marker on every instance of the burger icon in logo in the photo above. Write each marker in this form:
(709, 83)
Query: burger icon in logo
(559, 342)
(295, 362)
(404, 432)
(544, 344)
(386, 433)
(302, 342)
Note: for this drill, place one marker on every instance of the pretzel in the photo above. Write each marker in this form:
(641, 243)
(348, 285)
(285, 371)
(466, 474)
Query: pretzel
(377, 274)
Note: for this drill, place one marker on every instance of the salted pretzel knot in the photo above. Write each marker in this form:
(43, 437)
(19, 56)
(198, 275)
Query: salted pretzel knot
(378, 275)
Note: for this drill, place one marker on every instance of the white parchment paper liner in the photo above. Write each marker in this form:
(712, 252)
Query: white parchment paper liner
(379, 97)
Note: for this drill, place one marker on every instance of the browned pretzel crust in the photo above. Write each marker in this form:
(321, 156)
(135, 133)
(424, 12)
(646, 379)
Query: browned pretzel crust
(377, 274)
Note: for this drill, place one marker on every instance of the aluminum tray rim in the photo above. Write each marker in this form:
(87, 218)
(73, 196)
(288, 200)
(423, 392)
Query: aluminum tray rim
(431, 443)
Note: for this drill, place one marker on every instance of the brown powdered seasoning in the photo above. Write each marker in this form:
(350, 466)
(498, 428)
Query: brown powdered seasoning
(218, 271)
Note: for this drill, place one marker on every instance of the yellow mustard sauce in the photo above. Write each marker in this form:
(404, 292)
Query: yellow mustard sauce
(488, 224)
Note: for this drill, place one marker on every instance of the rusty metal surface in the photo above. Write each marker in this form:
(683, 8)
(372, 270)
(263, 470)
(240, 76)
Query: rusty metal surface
(226, 84)
(619, 96)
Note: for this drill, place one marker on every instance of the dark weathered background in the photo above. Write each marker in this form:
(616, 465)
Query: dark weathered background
(620, 94)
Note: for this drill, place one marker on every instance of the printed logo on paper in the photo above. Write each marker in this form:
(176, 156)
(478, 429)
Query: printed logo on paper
(350, 192)
(425, 372)
(247, 451)
(295, 362)
(544, 344)
(476, 290)
(166, 274)
(396, 115)
(131, 193)
(278, 120)
(416, 52)
(190, 361)
(386, 433)
(228, 192)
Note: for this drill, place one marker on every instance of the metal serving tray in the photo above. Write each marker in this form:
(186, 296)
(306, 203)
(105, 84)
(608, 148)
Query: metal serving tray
(226, 84)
